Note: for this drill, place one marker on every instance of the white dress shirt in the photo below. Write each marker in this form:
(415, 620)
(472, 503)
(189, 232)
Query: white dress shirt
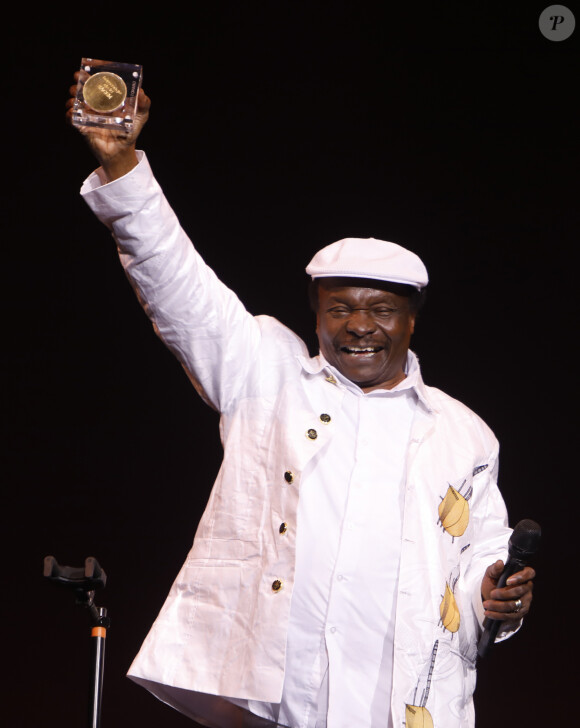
(339, 657)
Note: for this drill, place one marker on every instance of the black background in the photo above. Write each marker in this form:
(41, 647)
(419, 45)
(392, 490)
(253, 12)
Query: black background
(276, 128)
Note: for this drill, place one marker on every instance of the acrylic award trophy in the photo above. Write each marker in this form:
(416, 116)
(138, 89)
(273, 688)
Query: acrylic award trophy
(107, 94)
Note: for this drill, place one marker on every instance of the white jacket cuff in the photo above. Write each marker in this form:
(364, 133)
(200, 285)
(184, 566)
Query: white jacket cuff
(112, 197)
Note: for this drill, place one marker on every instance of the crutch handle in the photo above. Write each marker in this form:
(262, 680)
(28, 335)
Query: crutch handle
(88, 578)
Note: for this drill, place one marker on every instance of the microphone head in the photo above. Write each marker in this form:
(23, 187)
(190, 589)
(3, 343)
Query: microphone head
(525, 538)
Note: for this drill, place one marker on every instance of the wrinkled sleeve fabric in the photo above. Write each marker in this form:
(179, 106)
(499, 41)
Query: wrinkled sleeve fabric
(198, 317)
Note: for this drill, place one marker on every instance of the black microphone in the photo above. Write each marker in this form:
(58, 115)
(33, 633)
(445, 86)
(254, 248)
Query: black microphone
(523, 544)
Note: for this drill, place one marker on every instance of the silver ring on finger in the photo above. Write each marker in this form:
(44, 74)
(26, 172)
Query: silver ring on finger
(517, 605)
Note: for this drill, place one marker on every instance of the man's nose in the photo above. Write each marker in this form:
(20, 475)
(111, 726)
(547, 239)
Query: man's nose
(361, 322)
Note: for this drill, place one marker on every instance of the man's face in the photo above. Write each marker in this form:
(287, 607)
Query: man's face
(364, 331)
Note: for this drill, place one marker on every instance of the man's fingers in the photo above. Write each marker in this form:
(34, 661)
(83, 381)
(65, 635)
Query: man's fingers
(518, 590)
(511, 609)
(511, 602)
(143, 101)
(494, 571)
(521, 577)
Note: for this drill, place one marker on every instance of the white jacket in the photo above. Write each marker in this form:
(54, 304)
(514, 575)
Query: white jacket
(222, 629)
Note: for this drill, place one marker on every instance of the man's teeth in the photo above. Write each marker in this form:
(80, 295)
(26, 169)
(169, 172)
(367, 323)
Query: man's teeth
(361, 350)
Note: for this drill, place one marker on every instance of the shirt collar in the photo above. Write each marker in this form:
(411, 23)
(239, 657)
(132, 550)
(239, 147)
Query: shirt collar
(413, 380)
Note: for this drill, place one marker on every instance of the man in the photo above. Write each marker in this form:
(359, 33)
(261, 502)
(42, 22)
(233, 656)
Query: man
(351, 545)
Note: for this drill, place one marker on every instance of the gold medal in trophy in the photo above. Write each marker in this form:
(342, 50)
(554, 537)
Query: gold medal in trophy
(107, 94)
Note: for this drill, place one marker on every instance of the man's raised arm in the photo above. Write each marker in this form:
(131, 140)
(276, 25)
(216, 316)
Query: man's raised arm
(199, 319)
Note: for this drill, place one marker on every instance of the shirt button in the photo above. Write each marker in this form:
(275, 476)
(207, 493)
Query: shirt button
(340, 577)
(333, 630)
(276, 585)
(312, 434)
(325, 418)
(289, 476)
(283, 527)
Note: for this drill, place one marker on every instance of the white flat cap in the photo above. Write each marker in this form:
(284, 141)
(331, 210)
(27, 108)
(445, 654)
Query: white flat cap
(369, 258)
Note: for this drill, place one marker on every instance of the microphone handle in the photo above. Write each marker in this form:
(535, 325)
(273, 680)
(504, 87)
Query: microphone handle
(491, 626)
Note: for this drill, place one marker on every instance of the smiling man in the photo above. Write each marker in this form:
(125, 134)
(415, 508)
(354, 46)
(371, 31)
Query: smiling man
(351, 546)
(364, 331)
